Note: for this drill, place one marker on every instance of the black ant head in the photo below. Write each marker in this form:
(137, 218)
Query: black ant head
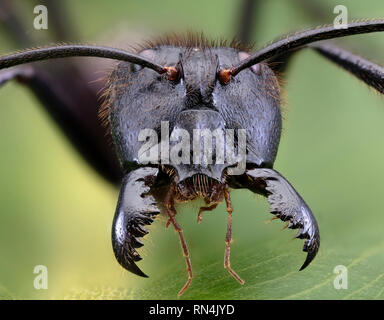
(192, 94)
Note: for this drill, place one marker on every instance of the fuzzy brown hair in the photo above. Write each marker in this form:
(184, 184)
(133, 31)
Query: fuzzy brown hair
(191, 40)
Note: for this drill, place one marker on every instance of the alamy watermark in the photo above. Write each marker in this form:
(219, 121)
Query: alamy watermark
(41, 280)
(219, 146)
(341, 20)
(341, 280)
(41, 20)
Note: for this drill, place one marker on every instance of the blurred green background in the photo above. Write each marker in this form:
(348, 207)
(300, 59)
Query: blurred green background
(56, 211)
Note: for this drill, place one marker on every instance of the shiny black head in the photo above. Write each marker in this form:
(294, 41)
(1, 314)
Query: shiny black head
(193, 95)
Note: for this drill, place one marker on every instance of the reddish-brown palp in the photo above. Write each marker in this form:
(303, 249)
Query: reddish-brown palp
(213, 192)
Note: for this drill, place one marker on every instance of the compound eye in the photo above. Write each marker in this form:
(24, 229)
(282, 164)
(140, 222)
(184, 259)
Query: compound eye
(256, 68)
(147, 53)
(136, 68)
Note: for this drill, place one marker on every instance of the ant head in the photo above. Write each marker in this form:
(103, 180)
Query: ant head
(191, 92)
